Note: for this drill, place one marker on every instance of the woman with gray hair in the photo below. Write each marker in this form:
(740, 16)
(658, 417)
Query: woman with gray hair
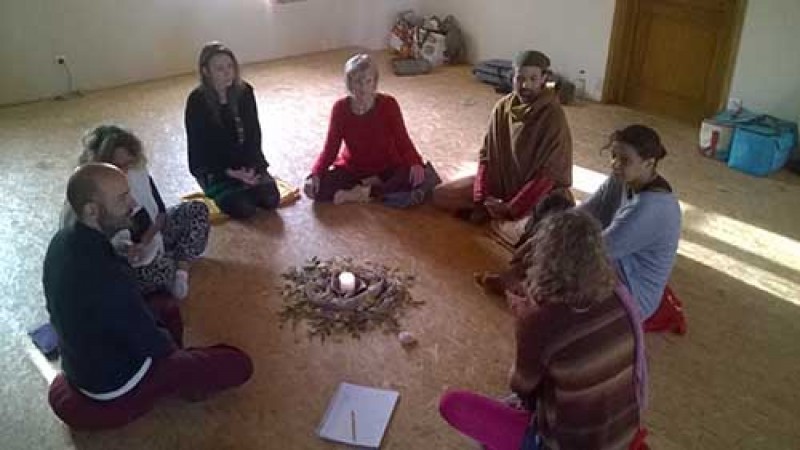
(378, 157)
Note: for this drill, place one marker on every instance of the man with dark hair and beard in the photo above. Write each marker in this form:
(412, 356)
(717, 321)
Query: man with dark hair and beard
(526, 153)
(117, 359)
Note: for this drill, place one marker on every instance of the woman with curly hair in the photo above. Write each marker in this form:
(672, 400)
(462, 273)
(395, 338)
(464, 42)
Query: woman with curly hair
(161, 242)
(579, 371)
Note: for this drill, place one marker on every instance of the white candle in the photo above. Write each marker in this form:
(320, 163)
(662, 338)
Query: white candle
(347, 282)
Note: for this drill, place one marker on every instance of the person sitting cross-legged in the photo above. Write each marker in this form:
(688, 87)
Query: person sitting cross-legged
(117, 359)
(223, 137)
(378, 158)
(526, 153)
(579, 374)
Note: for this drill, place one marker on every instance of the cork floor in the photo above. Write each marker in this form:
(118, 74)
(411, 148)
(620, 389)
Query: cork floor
(731, 383)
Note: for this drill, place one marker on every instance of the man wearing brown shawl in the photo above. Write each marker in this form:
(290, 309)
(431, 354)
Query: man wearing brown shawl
(526, 154)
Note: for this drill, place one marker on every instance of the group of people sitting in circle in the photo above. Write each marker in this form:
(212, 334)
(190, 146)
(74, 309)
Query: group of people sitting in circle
(581, 282)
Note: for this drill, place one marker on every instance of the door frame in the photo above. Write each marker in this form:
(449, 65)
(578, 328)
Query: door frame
(621, 45)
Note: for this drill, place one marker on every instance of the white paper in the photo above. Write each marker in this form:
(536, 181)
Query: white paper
(372, 409)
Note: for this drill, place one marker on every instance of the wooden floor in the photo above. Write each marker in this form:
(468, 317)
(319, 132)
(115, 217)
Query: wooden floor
(731, 383)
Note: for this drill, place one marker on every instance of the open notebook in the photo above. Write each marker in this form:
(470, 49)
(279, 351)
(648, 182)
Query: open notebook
(358, 415)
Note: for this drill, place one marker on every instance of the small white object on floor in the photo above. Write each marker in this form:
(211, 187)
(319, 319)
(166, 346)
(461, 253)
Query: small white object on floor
(180, 287)
(406, 338)
(358, 194)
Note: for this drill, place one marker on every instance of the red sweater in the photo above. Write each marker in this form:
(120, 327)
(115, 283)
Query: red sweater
(374, 142)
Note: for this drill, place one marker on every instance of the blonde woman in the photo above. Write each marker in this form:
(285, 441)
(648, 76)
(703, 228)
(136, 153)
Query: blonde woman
(579, 369)
(378, 157)
(223, 137)
(161, 242)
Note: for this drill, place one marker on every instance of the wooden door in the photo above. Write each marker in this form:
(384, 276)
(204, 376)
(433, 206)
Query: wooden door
(675, 57)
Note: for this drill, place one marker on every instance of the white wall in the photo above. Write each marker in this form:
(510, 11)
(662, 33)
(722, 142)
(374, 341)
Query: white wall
(575, 34)
(767, 75)
(27, 51)
(113, 42)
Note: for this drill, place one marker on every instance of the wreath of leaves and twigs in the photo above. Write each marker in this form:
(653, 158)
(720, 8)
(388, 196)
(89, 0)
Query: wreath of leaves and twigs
(311, 294)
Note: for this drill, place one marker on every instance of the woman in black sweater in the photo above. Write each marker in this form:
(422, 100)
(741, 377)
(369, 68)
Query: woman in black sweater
(224, 137)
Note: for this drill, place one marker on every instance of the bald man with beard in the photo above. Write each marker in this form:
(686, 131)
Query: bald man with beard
(119, 353)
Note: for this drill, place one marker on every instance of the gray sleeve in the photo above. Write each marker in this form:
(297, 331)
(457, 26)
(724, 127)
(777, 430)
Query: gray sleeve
(636, 226)
(605, 202)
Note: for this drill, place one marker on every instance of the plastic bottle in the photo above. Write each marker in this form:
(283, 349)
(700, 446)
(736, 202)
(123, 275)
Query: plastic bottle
(580, 85)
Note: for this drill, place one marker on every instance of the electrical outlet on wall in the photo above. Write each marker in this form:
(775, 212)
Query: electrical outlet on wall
(62, 61)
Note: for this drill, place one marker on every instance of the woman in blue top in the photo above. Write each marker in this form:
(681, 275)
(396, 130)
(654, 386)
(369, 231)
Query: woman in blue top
(640, 215)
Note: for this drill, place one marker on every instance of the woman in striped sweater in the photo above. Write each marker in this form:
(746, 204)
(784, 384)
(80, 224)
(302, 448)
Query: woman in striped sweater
(579, 372)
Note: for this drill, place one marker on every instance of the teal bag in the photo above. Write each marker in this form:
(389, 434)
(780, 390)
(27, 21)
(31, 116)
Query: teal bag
(762, 145)
(716, 134)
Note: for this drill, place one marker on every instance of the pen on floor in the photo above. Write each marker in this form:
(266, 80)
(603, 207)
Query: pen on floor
(353, 424)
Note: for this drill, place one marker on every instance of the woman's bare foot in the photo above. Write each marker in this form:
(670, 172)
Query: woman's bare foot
(180, 286)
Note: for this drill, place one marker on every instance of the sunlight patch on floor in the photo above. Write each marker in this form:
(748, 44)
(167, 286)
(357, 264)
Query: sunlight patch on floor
(764, 243)
(746, 273)
(586, 180)
(45, 367)
(464, 169)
